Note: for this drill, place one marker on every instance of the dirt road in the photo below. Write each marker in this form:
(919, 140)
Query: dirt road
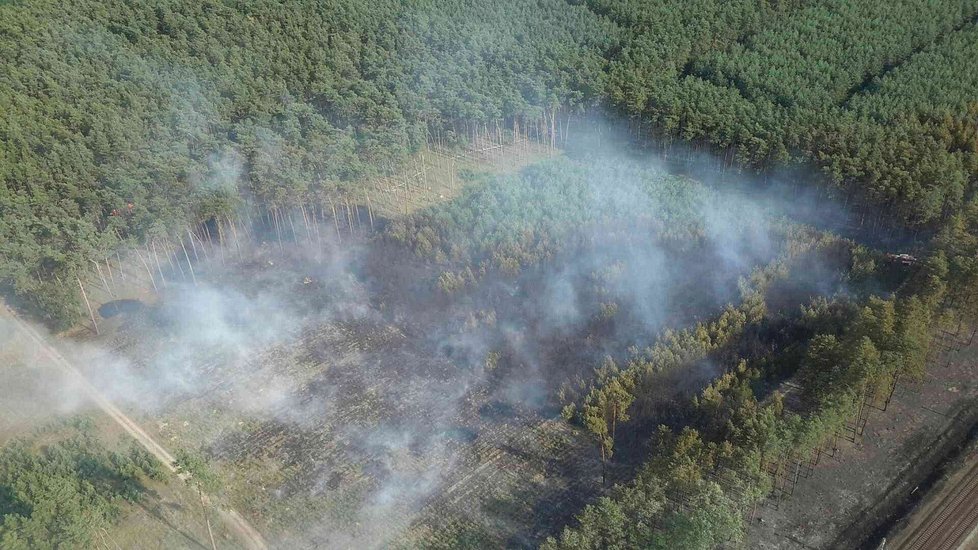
(247, 534)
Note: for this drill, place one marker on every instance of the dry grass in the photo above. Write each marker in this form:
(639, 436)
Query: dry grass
(432, 176)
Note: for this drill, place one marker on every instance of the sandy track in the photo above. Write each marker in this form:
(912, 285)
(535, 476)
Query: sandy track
(248, 535)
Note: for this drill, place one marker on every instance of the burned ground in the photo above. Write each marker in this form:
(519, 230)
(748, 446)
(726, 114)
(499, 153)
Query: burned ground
(370, 393)
(350, 399)
(860, 487)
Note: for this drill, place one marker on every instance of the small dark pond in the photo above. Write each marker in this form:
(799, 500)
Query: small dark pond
(119, 307)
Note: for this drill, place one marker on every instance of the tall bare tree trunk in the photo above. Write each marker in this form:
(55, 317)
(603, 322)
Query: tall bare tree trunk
(292, 225)
(553, 129)
(148, 271)
(108, 267)
(305, 221)
(220, 239)
(234, 235)
(192, 245)
(159, 268)
(349, 215)
(169, 258)
(278, 228)
(370, 210)
(87, 303)
(122, 272)
(189, 265)
(336, 223)
(203, 247)
(105, 283)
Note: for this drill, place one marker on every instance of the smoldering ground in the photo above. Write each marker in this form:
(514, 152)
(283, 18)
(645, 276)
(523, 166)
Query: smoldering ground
(346, 397)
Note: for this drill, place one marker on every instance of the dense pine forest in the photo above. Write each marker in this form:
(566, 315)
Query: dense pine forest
(184, 110)
(128, 121)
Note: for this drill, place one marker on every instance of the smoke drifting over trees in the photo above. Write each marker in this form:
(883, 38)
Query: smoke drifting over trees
(419, 274)
(360, 355)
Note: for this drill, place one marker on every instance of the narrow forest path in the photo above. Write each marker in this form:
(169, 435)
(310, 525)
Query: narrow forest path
(248, 535)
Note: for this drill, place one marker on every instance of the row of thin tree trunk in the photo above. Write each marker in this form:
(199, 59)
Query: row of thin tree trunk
(159, 261)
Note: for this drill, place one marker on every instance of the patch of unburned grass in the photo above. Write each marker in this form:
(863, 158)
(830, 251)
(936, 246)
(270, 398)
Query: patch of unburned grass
(434, 176)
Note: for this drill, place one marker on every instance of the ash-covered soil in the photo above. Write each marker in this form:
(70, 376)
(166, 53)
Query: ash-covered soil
(348, 401)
